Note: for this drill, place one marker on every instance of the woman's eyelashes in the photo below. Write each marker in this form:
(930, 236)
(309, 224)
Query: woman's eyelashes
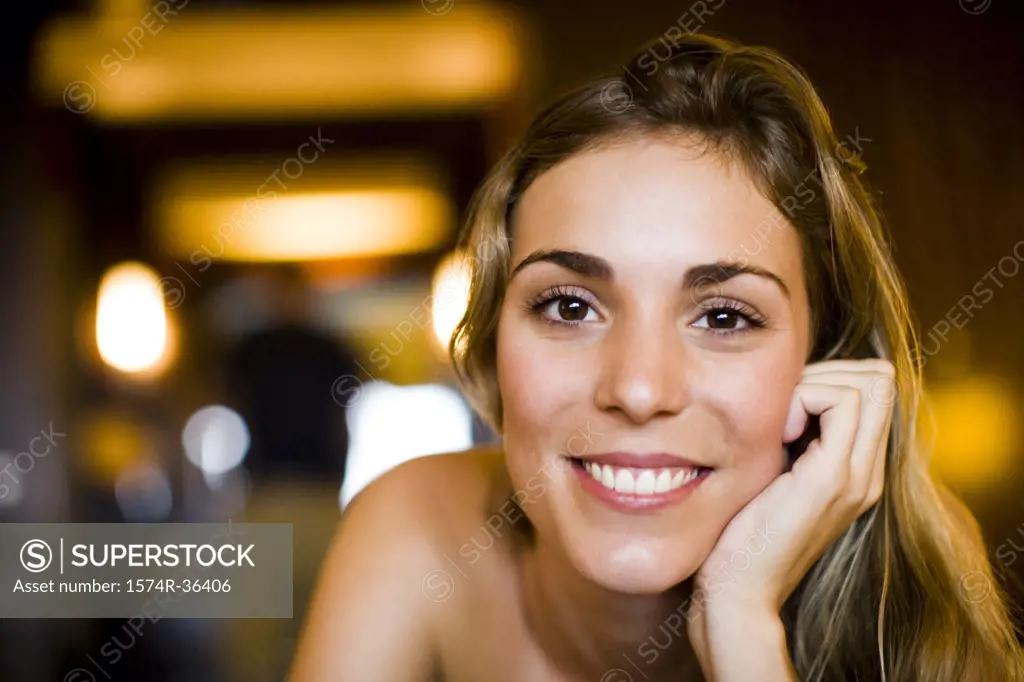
(562, 307)
(728, 316)
(566, 307)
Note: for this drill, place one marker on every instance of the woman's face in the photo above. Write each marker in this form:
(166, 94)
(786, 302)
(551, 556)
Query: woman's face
(662, 311)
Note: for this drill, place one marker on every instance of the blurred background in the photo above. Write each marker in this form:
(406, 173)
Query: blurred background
(226, 267)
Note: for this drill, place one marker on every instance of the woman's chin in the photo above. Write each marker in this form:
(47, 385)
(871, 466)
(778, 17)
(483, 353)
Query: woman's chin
(637, 567)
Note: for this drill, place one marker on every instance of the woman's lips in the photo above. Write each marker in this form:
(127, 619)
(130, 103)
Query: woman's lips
(638, 488)
(647, 460)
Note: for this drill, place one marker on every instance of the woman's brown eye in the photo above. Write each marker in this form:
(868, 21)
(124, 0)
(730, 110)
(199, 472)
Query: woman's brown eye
(572, 309)
(722, 319)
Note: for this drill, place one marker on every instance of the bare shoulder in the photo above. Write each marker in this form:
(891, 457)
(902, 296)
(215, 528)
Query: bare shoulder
(437, 494)
(375, 583)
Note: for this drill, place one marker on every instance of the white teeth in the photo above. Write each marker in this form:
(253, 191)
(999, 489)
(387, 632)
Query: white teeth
(624, 482)
(607, 477)
(645, 482)
(635, 481)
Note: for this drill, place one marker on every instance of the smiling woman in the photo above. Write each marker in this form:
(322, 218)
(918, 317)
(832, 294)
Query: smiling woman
(723, 435)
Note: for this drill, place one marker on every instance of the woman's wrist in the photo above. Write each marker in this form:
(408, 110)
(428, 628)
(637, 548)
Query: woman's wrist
(736, 638)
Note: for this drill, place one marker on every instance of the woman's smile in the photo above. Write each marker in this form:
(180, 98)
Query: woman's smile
(630, 482)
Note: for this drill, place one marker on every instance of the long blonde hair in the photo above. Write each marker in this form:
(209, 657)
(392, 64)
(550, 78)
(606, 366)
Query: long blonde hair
(890, 599)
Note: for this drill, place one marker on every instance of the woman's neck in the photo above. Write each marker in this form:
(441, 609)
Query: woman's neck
(589, 631)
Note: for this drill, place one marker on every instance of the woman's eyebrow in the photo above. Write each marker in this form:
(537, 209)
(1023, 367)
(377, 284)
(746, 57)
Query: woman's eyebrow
(583, 263)
(720, 271)
(697, 276)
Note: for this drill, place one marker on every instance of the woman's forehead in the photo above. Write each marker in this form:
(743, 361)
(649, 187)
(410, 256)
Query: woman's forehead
(652, 200)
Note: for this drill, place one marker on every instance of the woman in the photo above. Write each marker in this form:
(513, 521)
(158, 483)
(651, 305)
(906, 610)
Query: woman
(687, 326)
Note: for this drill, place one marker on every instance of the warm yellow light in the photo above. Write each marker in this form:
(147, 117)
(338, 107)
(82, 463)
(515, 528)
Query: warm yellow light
(351, 207)
(450, 296)
(131, 321)
(201, 63)
(311, 226)
(974, 428)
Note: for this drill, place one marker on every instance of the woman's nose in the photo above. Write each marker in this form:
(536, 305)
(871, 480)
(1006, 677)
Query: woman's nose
(643, 374)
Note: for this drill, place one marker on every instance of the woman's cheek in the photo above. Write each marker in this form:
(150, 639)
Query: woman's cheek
(540, 381)
(545, 397)
(525, 378)
(757, 397)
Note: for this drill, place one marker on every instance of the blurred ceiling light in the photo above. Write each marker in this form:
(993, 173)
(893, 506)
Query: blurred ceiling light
(191, 62)
(215, 439)
(974, 430)
(431, 419)
(131, 321)
(450, 296)
(374, 207)
(311, 226)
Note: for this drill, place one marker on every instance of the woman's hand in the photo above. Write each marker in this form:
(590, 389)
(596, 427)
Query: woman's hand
(774, 540)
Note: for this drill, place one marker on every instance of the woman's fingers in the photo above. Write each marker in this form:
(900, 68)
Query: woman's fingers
(827, 459)
(863, 451)
(867, 365)
(867, 457)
